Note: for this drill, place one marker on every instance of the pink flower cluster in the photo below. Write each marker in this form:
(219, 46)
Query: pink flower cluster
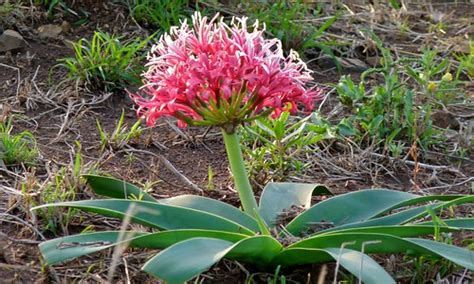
(196, 72)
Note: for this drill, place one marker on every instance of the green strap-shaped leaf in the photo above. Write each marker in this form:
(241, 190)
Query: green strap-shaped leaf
(460, 256)
(213, 206)
(278, 197)
(188, 259)
(386, 243)
(70, 247)
(392, 219)
(456, 199)
(259, 250)
(115, 188)
(359, 206)
(382, 243)
(349, 208)
(156, 215)
(360, 265)
(405, 216)
(399, 231)
(462, 223)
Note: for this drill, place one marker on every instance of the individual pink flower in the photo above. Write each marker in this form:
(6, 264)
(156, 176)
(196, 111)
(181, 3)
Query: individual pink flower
(215, 74)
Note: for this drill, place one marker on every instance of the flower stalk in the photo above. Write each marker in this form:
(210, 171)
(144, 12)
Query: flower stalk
(237, 167)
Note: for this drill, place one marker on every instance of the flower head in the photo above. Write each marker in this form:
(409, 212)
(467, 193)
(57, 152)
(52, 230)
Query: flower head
(215, 74)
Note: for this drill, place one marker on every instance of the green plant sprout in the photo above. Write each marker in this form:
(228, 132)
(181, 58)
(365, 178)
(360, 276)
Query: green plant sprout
(387, 113)
(62, 5)
(16, 148)
(273, 145)
(121, 135)
(436, 82)
(210, 178)
(106, 62)
(162, 14)
(285, 20)
(466, 62)
(7, 8)
(61, 187)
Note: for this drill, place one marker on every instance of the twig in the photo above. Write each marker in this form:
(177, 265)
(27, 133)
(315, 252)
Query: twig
(362, 257)
(322, 274)
(338, 262)
(127, 274)
(11, 190)
(66, 119)
(122, 246)
(15, 267)
(449, 186)
(170, 167)
(421, 165)
(18, 76)
(463, 276)
(179, 131)
(20, 241)
(23, 222)
(325, 98)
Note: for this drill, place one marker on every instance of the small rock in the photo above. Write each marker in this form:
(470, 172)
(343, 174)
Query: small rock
(445, 119)
(66, 27)
(49, 31)
(11, 40)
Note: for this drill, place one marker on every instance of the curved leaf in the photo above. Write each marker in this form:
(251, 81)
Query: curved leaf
(392, 219)
(382, 243)
(455, 199)
(355, 240)
(189, 258)
(259, 250)
(399, 231)
(460, 256)
(115, 188)
(360, 206)
(349, 208)
(461, 223)
(66, 248)
(165, 239)
(278, 197)
(155, 215)
(212, 206)
(359, 264)
(448, 203)
(404, 216)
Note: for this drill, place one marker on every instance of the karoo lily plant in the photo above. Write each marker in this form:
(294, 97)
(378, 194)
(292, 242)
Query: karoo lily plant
(219, 75)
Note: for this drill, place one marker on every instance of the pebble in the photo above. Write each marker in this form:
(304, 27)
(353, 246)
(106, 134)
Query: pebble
(11, 40)
(49, 31)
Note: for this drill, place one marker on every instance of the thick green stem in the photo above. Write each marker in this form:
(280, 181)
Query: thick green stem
(237, 166)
